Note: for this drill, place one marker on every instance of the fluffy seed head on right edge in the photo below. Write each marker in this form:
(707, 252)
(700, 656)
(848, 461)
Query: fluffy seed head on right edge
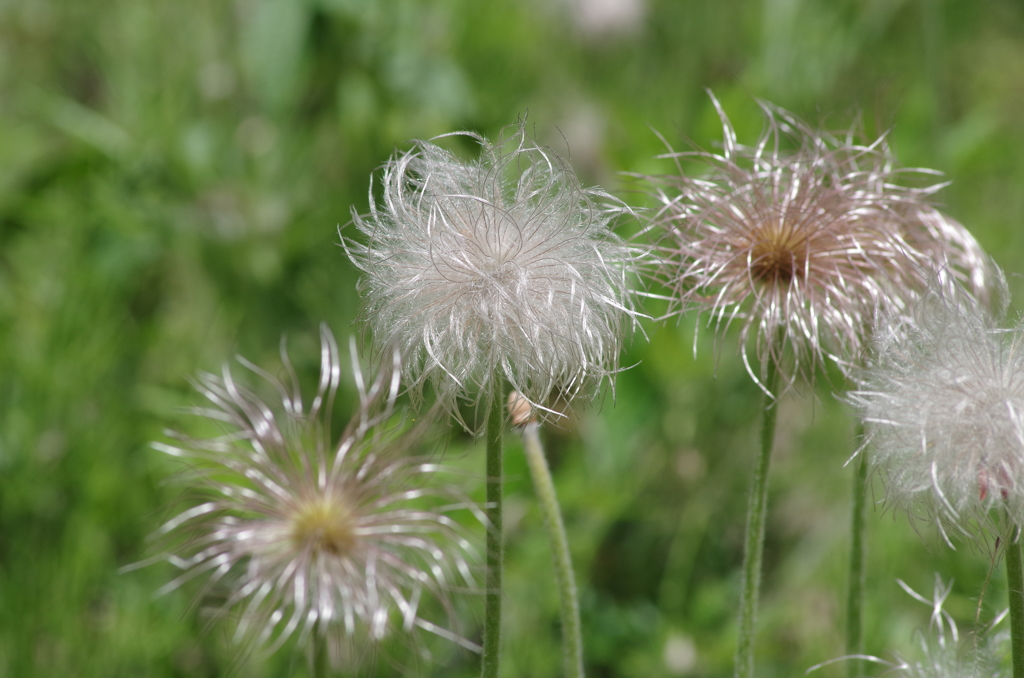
(942, 399)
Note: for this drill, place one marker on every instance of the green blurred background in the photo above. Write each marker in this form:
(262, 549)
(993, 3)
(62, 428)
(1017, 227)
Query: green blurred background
(172, 175)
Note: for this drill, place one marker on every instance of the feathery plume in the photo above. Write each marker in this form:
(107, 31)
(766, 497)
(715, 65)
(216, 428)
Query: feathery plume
(942, 399)
(499, 268)
(308, 537)
(801, 247)
(942, 655)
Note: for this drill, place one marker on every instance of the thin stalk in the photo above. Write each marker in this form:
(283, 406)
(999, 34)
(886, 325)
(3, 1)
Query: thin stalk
(1015, 591)
(855, 590)
(572, 638)
(321, 663)
(753, 550)
(492, 596)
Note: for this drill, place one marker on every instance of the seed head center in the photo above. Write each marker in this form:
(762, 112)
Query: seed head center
(324, 525)
(497, 273)
(777, 253)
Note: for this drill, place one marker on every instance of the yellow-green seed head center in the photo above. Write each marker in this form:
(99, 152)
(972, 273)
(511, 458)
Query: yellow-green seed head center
(324, 525)
(777, 253)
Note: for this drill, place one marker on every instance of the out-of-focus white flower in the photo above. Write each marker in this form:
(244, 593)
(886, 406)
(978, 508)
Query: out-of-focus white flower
(502, 268)
(303, 535)
(607, 18)
(942, 399)
(802, 247)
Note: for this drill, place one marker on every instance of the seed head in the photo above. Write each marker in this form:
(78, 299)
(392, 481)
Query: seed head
(937, 661)
(941, 652)
(304, 536)
(942, 399)
(802, 247)
(500, 268)
(520, 412)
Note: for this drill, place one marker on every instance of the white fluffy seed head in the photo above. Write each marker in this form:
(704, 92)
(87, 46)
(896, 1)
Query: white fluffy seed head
(801, 240)
(942, 652)
(502, 268)
(942, 399)
(949, 662)
(300, 535)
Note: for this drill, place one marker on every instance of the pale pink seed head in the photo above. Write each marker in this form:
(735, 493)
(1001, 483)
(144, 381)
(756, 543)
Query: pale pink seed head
(801, 239)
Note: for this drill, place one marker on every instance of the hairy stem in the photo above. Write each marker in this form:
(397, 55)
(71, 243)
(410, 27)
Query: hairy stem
(321, 663)
(855, 590)
(492, 597)
(1015, 591)
(753, 550)
(572, 639)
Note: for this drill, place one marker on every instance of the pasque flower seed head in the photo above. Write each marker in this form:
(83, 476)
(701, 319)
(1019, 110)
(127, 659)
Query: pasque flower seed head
(307, 536)
(942, 399)
(800, 239)
(942, 653)
(499, 268)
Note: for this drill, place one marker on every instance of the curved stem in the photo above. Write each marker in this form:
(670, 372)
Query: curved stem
(572, 639)
(753, 550)
(855, 590)
(1015, 591)
(492, 596)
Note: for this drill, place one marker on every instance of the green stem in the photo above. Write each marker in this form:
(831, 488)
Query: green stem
(321, 661)
(855, 590)
(572, 639)
(1015, 591)
(753, 550)
(492, 595)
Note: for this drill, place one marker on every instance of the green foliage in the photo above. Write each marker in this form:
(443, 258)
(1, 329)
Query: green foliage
(172, 175)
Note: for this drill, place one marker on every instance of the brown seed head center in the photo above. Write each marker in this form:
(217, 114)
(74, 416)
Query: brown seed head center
(777, 253)
(324, 525)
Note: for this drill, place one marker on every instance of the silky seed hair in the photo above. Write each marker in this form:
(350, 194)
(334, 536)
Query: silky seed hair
(942, 400)
(801, 240)
(503, 268)
(942, 653)
(301, 536)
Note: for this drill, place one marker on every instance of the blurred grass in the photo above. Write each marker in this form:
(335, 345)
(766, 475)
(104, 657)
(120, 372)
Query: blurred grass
(172, 175)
